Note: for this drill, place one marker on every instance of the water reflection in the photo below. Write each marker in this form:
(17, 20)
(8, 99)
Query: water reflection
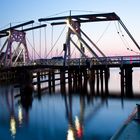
(79, 127)
(20, 115)
(86, 111)
(78, 113)
(26, 98)
(13, 126)
(16, 102)
(70, 135)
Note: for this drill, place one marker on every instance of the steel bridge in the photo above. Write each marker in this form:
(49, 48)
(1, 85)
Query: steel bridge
(19, 56)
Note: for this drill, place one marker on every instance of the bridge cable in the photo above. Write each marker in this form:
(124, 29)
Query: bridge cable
(128, 48)
(51, 40)
(120, 35)
(33, 52)
(74, 47)
(40, 41)
(60, 53)
(125, 42)
(52, 46)
(103, 32)
(45, 41)
(58, 13)
(33, 48)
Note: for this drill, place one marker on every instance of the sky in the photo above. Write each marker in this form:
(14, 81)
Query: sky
(17, 11)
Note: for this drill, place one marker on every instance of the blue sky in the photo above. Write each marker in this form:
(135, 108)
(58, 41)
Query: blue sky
(22, 10)
(16, 11)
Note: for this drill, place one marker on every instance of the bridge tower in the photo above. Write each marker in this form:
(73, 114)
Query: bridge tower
(14, 51)
(20, 53)
(73, 29)
(74, 23)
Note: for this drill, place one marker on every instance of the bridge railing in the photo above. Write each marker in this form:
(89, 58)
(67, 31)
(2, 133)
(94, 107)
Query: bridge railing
(87, 61)
(83, 61)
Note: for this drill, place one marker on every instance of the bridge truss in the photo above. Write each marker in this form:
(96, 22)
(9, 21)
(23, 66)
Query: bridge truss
(74, 22)
(15, 54)
(19, 55)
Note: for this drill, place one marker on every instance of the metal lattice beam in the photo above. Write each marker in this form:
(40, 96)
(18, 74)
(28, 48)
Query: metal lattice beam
(5, 32)
(83, 18)
(90, 18)
(17, 26)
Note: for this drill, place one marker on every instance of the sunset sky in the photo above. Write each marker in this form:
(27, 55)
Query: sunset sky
(18, 11)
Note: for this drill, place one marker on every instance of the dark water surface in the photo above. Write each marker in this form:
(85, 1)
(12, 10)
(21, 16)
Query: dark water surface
(66, 116)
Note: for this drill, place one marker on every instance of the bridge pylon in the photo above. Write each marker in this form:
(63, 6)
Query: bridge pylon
(16, 54)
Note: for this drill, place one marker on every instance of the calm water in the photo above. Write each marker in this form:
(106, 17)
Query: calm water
(65, 117)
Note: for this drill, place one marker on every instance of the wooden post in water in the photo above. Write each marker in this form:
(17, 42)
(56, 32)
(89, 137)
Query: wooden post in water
(53, 80)
(38, 82)
(49, 81)
(75, 79)
(70, 80)
(128, 81)
(79, 79)
(97, 78)
(122, 80)
(106, 76)
(62, 80)
(85, 76)
(84, 81)
(101, 77)
(92, 81)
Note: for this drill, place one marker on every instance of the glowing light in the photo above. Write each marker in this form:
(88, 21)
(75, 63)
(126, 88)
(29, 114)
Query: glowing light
(34, 63)
(79, 129)
(77, 122)
(13, 126)
(20, 115)
(35, 87)
(35, 74)
(70, 135)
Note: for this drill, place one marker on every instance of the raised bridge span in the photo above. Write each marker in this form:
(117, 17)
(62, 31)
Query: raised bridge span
(14, 51)
(15, 61)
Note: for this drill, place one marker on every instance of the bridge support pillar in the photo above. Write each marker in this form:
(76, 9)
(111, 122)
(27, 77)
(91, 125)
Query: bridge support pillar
(50, 81)
(101, 78)
(122, 81)
(106, 76)
(128, 81)
(75, 79)
(70, 80)
(53, 80)
(80, 79)
(97, 76)
(62, 80)
(38, 82)
(85, 76)
(92, 81)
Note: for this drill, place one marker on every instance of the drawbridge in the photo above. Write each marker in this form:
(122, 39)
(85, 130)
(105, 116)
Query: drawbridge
(74, 22)
(19, 54)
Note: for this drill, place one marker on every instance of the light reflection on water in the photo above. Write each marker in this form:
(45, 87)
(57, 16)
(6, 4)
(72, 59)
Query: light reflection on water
(59, 116)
